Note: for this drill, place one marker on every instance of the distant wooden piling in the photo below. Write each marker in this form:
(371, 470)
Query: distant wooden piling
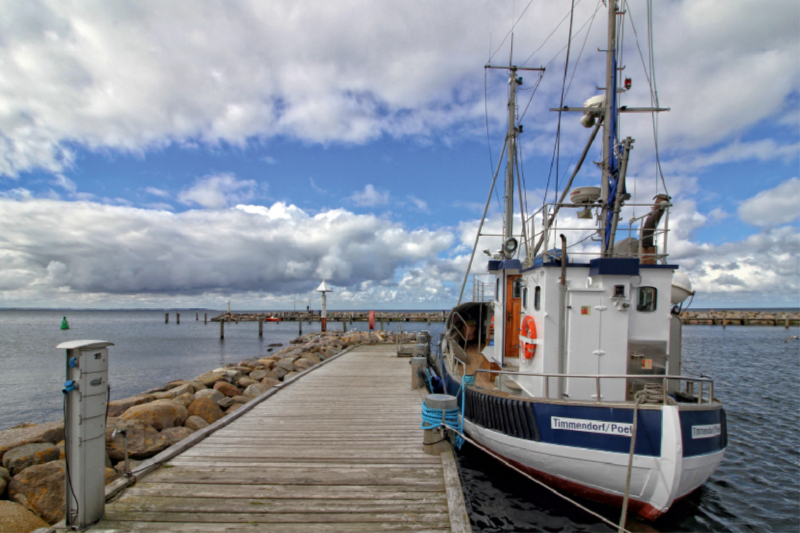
(205, 318)
(166, 318)
(300, 327)
(221, 329)
(260, 328)
(178, 318)
(197, 316)
(344, 326)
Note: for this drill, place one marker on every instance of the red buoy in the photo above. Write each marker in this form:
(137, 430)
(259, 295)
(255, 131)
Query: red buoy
(372, 320)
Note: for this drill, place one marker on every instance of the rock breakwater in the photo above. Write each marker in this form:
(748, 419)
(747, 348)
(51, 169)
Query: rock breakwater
(32, 455)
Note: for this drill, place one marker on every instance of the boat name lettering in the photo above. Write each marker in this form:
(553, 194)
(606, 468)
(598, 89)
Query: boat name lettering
(592, 426)
(705, 432)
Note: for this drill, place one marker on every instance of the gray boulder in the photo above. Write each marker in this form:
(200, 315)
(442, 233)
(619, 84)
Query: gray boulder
(117, 407)
(303, 364)
(21, 457)
(143, 440)
(286, 363)
(160, 414)
(255, 390)
(225, 402)
(15, 517)
(258, 375)
(211, 394)
(195, 423)
(41, 489)
(269, 382)
(175, 435)
(14, 437)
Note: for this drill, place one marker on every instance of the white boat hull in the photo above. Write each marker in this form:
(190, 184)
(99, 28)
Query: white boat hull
(656, 482)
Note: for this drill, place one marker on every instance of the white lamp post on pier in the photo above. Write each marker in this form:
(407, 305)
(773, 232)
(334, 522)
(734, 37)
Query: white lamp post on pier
(323, 288)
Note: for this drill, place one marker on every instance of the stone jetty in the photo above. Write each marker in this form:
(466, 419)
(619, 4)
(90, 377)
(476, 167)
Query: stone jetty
(740, 318)
(335, 316)
(32, 475)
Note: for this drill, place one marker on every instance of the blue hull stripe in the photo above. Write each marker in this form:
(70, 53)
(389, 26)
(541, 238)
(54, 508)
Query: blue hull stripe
(698, 444)
(533, 421)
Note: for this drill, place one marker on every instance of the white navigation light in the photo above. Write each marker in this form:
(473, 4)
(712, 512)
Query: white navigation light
(681, 287)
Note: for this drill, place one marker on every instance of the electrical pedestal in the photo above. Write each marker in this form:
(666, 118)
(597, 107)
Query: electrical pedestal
(86, 402)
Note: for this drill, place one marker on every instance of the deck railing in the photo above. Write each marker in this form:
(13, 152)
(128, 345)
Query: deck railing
(665, 380)
(634, 227)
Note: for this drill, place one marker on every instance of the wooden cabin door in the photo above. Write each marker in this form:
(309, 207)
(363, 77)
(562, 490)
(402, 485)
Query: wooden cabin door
(513, 315)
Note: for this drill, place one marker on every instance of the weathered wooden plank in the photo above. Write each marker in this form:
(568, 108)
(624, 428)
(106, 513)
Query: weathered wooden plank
(304, 476)
(459, 519)
(277, 518)
(255, 462)
(191, 527)
(176, 504)
(305, 492)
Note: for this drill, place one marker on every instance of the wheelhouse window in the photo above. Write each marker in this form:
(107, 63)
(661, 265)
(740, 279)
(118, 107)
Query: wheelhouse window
(497, 290)
(517, 289)
(647, 299)
(525, 298)
(537, 298)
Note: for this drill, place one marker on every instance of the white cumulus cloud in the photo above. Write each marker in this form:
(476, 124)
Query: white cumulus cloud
(780, 205)
(218, 191)
(370, 197)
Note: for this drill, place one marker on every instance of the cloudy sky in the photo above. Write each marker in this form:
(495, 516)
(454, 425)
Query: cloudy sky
(173, 154)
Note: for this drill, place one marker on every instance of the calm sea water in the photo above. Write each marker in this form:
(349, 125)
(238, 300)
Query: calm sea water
(146, 353)
(756, 374)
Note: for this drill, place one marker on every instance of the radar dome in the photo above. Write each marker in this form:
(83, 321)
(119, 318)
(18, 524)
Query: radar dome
(681, 287)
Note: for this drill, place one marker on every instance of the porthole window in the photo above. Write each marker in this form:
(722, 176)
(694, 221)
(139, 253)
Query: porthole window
(525, 298)
(647, 299)
(537, 298)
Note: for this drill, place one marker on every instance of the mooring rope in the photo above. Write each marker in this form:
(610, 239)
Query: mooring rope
(551, 489)
(653, 393)
(433, 418)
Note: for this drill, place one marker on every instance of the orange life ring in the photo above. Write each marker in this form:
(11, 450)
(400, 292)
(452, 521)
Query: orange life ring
(491, 328)
(372, 320)
(528, 331)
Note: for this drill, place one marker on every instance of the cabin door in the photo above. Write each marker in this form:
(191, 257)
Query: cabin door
(583, 343)
(513, 315)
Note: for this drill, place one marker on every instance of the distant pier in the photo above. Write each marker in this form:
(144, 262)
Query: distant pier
(335, 316)
(740, 318)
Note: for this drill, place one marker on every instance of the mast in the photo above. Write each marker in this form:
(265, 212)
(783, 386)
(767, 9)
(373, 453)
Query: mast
(609, 123)
(512, 154)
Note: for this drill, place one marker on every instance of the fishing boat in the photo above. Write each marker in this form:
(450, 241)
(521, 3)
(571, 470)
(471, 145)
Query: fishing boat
(571, 369)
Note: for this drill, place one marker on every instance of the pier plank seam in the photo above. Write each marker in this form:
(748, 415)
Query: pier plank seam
(271, 470)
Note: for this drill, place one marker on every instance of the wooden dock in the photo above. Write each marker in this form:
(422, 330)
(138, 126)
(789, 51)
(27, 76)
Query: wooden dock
(340, 449)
